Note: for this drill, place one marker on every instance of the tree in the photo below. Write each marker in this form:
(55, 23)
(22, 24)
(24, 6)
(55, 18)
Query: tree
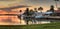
(40, 9)
(20, 11)
(19, 16)
(52, 8)
(31, 12)
(35, 9)
(26, 13)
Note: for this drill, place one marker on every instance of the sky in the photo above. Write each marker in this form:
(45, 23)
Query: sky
(36, 3)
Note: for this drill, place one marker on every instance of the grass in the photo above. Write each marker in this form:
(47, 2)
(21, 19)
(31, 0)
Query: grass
(35, 26)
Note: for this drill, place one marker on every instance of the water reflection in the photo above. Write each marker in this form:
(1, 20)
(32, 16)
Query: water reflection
(9, 19)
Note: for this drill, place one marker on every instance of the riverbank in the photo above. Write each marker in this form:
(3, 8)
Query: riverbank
(35, 26)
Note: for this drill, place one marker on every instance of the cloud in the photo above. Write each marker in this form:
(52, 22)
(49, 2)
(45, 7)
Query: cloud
(38, 2)
(6, 0)
(8, 9)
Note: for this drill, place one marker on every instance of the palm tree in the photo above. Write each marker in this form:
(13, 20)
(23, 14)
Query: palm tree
(26, 13)
(19, 16)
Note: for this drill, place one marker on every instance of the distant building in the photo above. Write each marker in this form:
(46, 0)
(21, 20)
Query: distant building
(57, 12)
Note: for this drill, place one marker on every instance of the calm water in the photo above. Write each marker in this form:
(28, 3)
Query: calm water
(13, 20)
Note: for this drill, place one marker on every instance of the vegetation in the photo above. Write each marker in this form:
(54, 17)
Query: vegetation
(43, 26)
(40, 9)
(28, 13)
(37, 26)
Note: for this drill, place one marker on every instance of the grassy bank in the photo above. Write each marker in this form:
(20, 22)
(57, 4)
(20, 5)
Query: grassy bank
(37, 26)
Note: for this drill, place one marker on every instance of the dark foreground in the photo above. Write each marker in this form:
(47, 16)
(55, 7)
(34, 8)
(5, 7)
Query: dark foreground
(37, 26)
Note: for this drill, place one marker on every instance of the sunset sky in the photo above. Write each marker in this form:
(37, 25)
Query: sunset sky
(36, 3)
(33, 3)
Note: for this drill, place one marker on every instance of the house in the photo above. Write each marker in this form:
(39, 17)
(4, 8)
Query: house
(57, 12)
